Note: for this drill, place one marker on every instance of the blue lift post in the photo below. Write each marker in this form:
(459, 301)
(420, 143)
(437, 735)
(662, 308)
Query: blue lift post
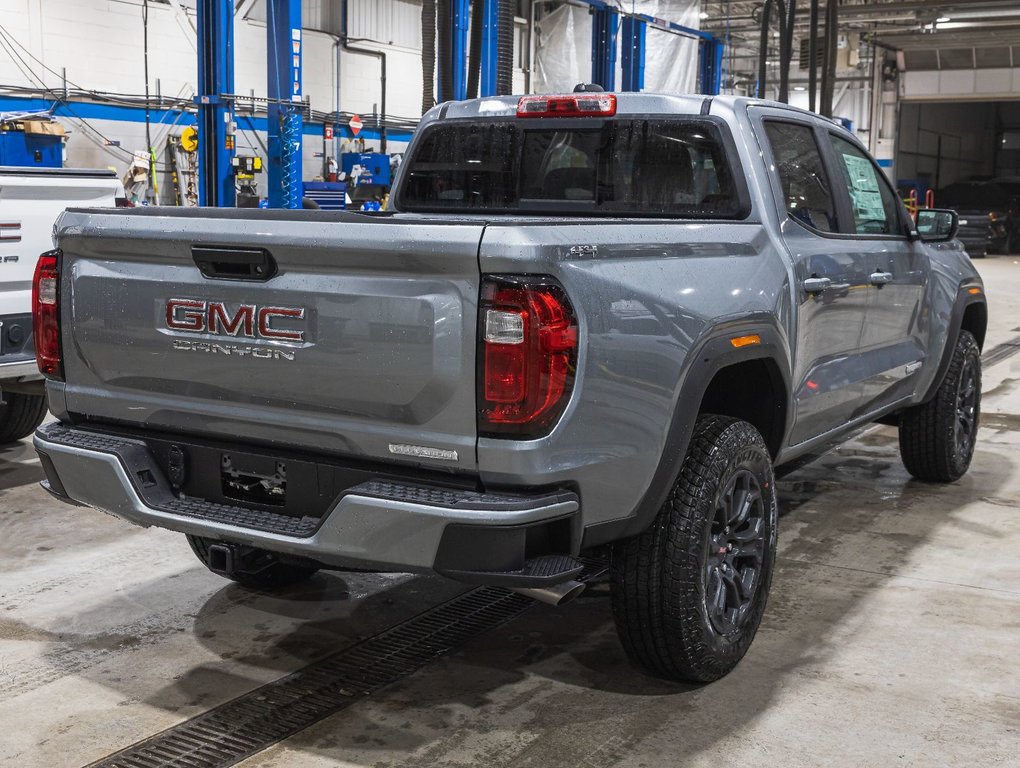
(460, 17)
(603, 48)
(215, 118)
(632, 58)
(604, 25)
(283, 49)
(490, 49)
(710, 59)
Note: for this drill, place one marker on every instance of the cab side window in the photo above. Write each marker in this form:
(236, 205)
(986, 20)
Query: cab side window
(806, 192)
(873, 202)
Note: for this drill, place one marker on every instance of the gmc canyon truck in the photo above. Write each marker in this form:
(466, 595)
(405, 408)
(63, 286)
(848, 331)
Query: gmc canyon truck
(30, 201)
(588, 319)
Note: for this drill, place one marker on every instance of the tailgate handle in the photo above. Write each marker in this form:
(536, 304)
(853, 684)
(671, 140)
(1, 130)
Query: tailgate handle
(227, 263)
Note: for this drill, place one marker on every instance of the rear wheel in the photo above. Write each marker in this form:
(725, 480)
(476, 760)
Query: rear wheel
(251, 567)
(689, 593)
(20, 414)
(937, 438)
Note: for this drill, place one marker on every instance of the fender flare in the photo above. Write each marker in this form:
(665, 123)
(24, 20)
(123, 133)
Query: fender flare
(706, 359)
(963, 300)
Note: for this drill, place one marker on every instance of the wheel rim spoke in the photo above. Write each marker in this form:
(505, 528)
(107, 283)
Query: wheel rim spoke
(736, 553)
(967, 405)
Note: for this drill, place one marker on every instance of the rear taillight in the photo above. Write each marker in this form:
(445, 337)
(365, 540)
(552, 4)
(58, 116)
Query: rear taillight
(46, 314)
(528, 355)
(568, 105)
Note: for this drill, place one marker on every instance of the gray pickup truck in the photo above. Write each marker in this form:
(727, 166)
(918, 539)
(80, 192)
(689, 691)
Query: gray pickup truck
(590, 320)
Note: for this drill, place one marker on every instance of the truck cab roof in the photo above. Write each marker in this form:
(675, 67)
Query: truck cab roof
(627, 103)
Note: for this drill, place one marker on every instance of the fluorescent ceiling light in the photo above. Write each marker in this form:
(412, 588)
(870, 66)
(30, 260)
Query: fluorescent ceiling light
(943, 19)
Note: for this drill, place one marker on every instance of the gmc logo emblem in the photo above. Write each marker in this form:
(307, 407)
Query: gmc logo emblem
(248, 320)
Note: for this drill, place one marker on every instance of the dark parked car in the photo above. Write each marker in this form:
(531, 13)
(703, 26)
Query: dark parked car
(989, 214)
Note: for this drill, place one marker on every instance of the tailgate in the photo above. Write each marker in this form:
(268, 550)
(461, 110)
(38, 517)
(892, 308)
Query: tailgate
(362, 343)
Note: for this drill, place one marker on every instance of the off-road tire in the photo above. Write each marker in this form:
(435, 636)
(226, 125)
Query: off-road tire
(660, 579)
(937, 438)
(265, 573)
(20, 414)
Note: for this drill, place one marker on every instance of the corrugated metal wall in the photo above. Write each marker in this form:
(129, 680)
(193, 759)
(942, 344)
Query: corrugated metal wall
(391, 22)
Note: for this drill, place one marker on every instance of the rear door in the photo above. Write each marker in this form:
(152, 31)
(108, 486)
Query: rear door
(831, 274)
(358, 337)
(895, 333)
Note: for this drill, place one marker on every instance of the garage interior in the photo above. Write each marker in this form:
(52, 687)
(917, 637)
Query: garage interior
(890, 635)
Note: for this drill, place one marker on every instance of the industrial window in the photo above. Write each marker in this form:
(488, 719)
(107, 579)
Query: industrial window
(615, 167)
(807, 194)
(956, 58)
(873, 202)
(992, 57)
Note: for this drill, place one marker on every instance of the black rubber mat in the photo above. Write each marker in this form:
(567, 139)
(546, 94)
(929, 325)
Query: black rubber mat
(241, 727)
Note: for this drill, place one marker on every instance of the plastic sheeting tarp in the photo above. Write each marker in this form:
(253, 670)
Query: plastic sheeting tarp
(563, 47)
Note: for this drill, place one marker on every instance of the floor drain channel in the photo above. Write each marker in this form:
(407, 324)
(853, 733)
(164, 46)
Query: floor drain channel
(241, 727)
(1001, 352)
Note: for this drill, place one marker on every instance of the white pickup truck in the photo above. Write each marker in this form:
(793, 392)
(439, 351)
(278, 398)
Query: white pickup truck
(30, 201)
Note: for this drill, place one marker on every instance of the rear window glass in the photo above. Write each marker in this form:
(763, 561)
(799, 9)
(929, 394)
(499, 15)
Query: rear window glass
(619, 167)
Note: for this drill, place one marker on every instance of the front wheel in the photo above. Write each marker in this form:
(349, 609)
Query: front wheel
(688, 594)
(937, 438)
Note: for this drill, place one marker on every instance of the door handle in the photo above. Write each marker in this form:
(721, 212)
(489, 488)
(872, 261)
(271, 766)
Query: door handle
(817, 284)
(881, 278)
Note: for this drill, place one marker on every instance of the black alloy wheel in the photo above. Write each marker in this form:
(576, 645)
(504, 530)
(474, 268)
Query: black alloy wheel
(736, 549)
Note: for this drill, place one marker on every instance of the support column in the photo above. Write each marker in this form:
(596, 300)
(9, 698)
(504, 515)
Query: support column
(490, 48)
(460, 16)
(710, 58)
(604, 25)
(283, 54)
(632, 56)
(215, 116)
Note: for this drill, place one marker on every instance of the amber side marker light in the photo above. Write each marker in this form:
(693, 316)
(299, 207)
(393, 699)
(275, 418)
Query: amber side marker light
(973, 290)
(745, 341)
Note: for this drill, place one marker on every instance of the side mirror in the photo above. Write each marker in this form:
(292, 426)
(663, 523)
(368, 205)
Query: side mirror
(937, 225)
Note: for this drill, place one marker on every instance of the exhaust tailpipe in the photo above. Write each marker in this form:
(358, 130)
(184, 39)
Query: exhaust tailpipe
(558, 594)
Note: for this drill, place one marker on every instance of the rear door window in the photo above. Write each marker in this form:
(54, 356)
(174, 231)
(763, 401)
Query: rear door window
(666, 167)
(807, 194)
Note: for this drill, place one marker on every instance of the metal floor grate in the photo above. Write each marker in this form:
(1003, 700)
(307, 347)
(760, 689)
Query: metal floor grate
(239, 728)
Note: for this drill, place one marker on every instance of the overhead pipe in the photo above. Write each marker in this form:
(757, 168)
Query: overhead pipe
(428, 55)
(829, 68)
(505, 47)
(381, 55)
(763, 42)
(813, 57)
(444, 25)
(474, 62)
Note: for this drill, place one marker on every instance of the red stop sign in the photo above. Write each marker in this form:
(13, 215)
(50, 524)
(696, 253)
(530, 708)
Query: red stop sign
(356, 125)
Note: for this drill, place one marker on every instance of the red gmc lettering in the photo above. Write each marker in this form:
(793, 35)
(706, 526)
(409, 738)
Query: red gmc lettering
(185, 315)
(245, 316)
(266, 314)
(250, 321)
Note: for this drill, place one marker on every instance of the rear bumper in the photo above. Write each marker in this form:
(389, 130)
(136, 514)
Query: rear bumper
(19, 370)
(378, 525)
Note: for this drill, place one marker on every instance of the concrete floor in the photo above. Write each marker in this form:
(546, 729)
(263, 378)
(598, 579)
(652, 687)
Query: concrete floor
(891, 637)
